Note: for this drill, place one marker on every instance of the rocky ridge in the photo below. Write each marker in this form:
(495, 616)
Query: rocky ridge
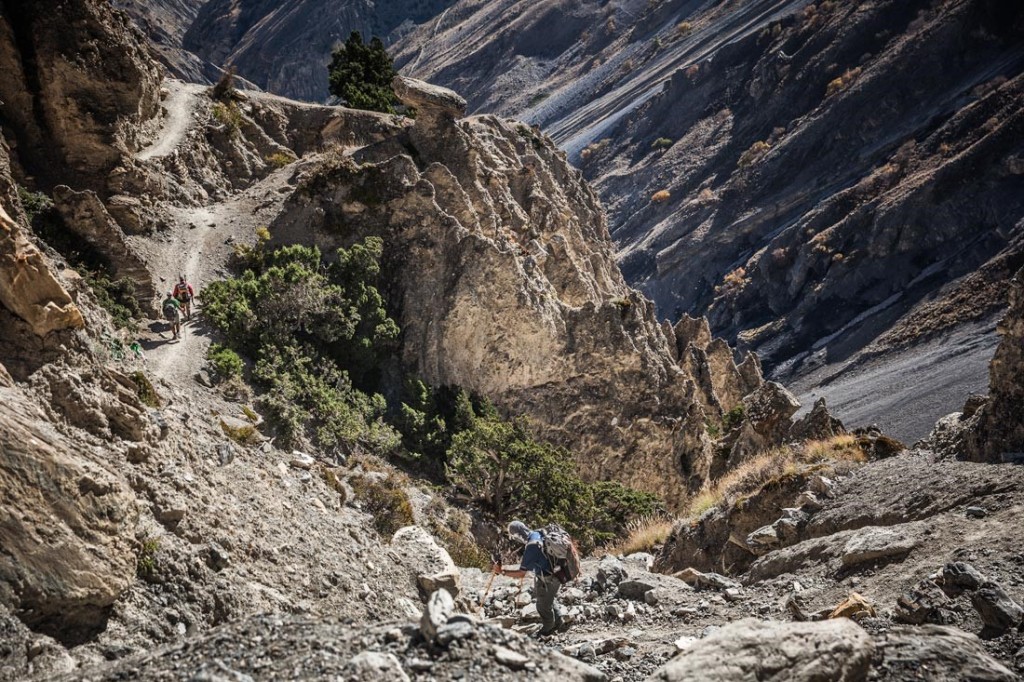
(496, 240)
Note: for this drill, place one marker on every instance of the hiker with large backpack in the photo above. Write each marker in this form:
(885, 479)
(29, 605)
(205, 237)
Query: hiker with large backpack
(551, 556)
(172, 313)
(184, 293)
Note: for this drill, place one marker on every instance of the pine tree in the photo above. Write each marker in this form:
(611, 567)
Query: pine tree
(361, 74)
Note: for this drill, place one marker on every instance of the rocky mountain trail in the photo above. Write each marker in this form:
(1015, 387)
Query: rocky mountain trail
(153, 527)
(178, 109)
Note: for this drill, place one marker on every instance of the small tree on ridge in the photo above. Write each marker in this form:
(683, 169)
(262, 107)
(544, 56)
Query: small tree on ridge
(361, 74)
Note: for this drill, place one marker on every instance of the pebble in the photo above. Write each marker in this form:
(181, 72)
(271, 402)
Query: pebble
(510, 659)
(976, 512)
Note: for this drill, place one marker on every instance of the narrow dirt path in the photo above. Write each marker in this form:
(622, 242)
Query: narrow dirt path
(180, 107)
(199, 246)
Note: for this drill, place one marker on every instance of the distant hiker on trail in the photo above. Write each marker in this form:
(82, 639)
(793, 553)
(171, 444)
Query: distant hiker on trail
(184, 293)
(172, 312)
(551, 556)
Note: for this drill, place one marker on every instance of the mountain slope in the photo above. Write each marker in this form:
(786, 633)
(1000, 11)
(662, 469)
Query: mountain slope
(165, 23)
(811, 176)
(285, 47)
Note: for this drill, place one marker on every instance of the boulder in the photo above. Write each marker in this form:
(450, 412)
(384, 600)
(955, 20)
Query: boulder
(809, 502)
(706, 581)
(877, 543)
(817, 424)
(438, 610)
(610, 572)
(946, 653)
(635, 589)
(769, 409)
(958, 577)
(835, 650)
(925, 603)
(375, 666)
(447, 580)
(66, 526)
(854, 606)
(437, 109)
(28, 288)
(420, 554)
(998, 611)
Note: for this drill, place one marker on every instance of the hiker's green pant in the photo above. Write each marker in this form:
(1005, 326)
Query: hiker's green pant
(546, 587)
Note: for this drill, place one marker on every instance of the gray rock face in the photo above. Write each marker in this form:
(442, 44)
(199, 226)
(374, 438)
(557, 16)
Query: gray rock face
(66, 526)
(87, 218)
(949, 655)
(997, 428)
(75, 98)
(285, 49)
(836, 650)
(778, 231)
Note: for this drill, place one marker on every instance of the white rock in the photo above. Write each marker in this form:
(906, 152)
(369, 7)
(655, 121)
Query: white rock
(375, 665)
(437, 612)
(301, 460)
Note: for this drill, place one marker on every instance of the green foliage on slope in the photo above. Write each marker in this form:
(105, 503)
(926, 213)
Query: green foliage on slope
(361, 74)
(319, 336)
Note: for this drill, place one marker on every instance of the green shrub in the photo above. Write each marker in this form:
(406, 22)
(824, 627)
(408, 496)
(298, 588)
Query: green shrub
(116, 296)
(662, 143)
(538, 98)
(228, 115)
(280, 159)
(385, 500)
(733, 417)
(361, 74)
(510, 475)
(146, 564)
(224, 362)
(243, 435)
(144, 389)
(318, 333)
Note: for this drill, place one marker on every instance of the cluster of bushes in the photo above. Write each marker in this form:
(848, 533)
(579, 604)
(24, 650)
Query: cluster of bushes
(316, 333)
(318, 337)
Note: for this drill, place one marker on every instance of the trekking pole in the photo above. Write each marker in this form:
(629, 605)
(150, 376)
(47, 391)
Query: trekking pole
(487, 590)
(490, 581)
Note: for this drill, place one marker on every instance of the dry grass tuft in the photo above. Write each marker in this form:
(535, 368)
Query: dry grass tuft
(644, 535)
(771, 466)
(661, 196)
(842, 448)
